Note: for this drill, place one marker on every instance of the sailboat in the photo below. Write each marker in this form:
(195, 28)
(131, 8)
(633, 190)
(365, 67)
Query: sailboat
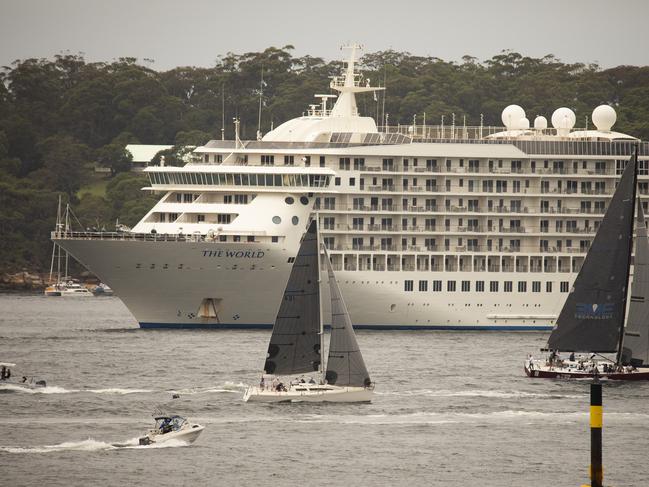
(592, 319)
(296, 344)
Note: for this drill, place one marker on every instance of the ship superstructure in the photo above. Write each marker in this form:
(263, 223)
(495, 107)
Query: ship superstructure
(427, 226)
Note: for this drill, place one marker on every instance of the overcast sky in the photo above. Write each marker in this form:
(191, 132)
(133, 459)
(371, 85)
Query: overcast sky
(194, 32)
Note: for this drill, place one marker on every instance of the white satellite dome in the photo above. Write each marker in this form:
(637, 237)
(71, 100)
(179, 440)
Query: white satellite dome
(604, 117)
(540, 123)
(523, 124)
(511, 116)
(563, 119)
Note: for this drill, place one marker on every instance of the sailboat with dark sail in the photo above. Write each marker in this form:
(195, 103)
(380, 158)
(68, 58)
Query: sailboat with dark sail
(591, 322)
(296, 344)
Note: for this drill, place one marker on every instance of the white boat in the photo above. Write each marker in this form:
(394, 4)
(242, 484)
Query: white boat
(74, 289)
(7, 378)
(592, 320)
(172, 427)
(102, 290)
(64, 285)
(296, 344)
(429, 226)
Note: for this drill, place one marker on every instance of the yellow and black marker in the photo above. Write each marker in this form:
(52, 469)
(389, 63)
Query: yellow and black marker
(596, 413)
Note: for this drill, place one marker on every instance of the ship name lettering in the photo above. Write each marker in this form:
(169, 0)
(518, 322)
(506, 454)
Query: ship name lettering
(235, 254)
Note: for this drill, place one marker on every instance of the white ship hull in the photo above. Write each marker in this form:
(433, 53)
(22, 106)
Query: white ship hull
(164, 283)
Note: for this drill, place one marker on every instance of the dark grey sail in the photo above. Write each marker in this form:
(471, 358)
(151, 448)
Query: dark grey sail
(295, 342)
(345, 365)
(635, 350)
(592, 317)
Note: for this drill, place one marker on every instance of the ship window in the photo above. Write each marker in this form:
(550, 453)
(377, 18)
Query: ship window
(322, 161)
(407, 285)
(289, 200)
(344, 163)
(450, 286)
(423, 285)
(522, 286)
(304, 200)
(236, 238)
(267, 160)
(291, 260)
(548, 287)
(200, 218)
(564, 286)
(352, 181)
(278, 179)
(289, 160)
(479, 286)
(466, 286)
(295, 220)
(250, 238)
(536, 286)
(337, 181)
(508, 286)
(277, 220)
(274, 239)
(493, 286)
(437, 286)
(223, 238)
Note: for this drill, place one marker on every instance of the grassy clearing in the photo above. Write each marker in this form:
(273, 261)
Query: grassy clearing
(95, 185)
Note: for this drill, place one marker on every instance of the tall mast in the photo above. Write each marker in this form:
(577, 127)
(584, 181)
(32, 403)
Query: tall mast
(322, 356)
(634, 161)
(261, 95)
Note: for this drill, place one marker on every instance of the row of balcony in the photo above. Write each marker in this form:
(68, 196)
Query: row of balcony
(457, 209)
(390, 228)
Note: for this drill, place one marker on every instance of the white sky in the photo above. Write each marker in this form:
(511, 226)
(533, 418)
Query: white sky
(195, 32)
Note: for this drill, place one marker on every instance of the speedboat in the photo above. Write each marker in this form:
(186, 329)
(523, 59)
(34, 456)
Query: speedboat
(172, 427)
(25, 381)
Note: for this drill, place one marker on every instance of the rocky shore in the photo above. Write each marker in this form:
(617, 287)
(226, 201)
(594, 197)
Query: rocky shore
(33, 281)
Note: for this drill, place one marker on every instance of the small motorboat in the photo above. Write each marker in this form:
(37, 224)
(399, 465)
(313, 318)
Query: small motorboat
(25, 381)
(172, 427)
(102, 290)
(74, 289)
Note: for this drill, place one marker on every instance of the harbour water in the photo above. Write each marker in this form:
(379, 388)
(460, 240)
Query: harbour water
(451, 409)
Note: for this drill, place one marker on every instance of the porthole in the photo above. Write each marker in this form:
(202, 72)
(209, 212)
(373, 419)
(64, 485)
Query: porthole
(295, 220)
(277, 220)
(289, 200)
(304, 200)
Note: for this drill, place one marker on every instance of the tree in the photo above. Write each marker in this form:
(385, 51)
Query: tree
(116, 157)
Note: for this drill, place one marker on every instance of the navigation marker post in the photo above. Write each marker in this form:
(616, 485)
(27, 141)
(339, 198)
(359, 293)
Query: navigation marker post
(596, 416)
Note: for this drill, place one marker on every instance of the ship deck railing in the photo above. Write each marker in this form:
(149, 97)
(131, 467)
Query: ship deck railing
(152, 237)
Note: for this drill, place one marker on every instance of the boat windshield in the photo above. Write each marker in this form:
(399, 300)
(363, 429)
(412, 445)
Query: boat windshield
(169, 423)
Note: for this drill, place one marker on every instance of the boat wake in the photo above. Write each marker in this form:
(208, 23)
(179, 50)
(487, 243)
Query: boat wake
(91, 445)
(61, 390)
(227, 387)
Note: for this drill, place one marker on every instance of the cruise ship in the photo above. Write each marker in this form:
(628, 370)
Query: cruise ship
(428, 227)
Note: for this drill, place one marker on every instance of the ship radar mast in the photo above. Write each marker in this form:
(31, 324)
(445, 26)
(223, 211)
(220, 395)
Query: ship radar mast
(348, 85)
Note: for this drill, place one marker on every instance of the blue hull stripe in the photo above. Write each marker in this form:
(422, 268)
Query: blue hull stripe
(266, 326)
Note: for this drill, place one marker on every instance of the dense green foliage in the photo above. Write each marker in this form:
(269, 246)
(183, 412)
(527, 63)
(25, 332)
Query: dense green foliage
(58, 117)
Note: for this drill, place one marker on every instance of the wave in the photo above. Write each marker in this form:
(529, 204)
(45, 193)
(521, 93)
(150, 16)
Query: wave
(480, 393)
(36, 390)
(115, 390)
(91, 445)
(227, 387)
(62, 390)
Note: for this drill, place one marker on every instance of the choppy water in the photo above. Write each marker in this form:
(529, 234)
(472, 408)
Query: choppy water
(434, 421)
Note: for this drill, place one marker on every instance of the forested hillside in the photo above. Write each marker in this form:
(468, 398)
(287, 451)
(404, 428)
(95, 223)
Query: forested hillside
(58, 117)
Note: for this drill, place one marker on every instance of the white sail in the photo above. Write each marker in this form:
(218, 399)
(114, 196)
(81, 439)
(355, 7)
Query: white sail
(345, 365)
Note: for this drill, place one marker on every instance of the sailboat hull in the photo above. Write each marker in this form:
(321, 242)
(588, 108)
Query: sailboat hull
(306, 393)
(547, 372)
